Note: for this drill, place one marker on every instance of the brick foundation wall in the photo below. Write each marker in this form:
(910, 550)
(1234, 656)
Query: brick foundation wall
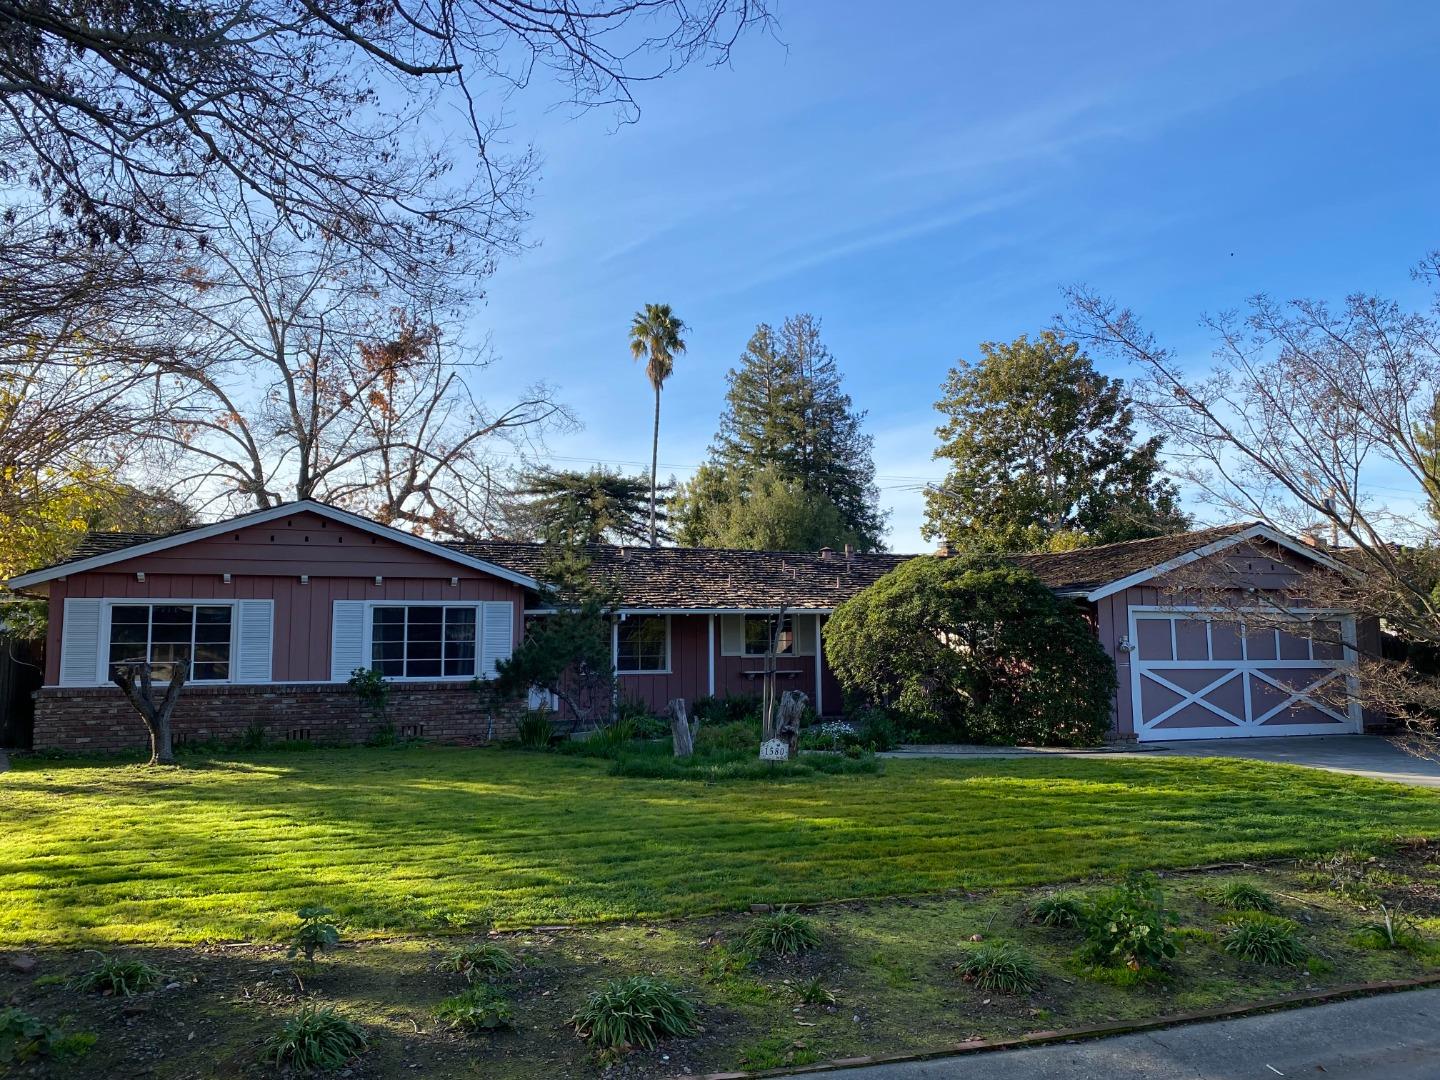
(99, 720)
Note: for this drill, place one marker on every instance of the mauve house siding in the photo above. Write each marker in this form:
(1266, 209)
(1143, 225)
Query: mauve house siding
(689, 675)
(265, 563)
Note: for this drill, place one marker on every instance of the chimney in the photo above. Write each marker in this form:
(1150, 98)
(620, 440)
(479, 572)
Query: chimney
(826, 552)
(1312, 540)
(942, 550)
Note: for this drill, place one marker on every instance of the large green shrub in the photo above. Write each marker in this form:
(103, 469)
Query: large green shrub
(974, 648)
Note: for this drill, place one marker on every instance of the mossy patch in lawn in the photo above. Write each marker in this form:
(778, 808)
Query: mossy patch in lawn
(889, 966)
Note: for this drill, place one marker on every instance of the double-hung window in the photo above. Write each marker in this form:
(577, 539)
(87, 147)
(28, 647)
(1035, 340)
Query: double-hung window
(164, 635)
(642, 644)
(422, 641)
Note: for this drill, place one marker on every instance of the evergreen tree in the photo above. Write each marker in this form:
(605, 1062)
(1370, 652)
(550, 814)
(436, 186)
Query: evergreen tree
(1043, 455)
(594, 506)
(788, 423)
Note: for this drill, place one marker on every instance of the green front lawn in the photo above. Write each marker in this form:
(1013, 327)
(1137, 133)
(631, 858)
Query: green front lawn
(428, 839)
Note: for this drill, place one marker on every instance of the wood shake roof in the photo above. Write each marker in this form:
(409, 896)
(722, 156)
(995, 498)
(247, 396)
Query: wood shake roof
(700, 578)
(710, 578)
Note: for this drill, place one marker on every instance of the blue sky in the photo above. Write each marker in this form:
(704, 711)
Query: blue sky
(929, 176)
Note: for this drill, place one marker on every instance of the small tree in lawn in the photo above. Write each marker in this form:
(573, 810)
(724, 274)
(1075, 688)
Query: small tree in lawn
(136, 680)
(568, 652)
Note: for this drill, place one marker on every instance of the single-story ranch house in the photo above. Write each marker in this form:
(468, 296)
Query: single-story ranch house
(278, 607)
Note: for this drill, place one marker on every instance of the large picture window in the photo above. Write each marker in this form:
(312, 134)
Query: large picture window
(758, 629)
(642, 644)
(423, 641)
(163, 634)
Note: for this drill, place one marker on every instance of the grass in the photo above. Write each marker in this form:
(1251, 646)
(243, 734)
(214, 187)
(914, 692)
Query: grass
(425, 839)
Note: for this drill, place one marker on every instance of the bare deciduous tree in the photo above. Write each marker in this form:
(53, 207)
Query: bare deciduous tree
(121, 121)
(1311, 418)
(303, 374)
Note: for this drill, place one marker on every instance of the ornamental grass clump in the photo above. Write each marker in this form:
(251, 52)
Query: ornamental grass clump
(634, 1011)
(316, 1039)
(480, 961)
(117, 978)
(999, 965)
(781, 933)
(1243, 896)
(812, 991)
(1056, 910)
(478, 1008)
(1265, 939)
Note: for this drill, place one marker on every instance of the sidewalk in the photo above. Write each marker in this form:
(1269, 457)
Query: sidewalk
(1391, 1036)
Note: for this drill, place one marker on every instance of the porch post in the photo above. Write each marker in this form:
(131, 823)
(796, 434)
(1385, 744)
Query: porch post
(711, 636)
(819, 670)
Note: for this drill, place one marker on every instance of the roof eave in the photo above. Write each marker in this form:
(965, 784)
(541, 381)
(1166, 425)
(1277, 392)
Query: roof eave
(1256, 531)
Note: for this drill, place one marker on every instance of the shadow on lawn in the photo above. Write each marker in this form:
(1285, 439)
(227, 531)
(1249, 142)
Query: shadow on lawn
(425, 839)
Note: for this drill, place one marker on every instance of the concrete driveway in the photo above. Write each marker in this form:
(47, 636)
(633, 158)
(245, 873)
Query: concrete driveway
(1360, 755)
(1394, 1036)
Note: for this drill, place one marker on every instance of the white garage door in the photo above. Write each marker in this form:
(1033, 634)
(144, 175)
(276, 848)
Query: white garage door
(1202, 675)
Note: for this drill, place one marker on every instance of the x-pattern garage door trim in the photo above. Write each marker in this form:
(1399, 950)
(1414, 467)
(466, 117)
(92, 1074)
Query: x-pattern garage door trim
(1245, 669)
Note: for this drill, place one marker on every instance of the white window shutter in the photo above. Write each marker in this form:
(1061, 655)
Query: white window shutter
(347, 639)
(254, 637)
(80, 643)
(497, 635)
(732, 635)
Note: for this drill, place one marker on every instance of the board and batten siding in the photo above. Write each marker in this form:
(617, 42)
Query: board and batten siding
(266, 563)
(689, 674)
(1267, 567)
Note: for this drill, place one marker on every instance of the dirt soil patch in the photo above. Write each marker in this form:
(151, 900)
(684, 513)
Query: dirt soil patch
(888, 965)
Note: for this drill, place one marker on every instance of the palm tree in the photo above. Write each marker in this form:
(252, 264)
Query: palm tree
(655, 337)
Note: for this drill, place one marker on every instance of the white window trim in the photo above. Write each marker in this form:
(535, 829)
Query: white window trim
(668, 669)
(107, 604)
(478, 606)
(793, 616)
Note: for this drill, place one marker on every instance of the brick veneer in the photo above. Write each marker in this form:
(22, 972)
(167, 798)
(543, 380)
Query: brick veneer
(99, 719)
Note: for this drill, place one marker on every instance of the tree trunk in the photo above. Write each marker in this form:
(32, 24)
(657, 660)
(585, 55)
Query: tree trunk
(654, 463)
(682, 730)
(792, 706)
(134, 681)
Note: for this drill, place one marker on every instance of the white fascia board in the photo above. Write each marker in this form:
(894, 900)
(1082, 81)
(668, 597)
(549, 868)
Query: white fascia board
(1254, 532)
(260, 517)
(699, 611)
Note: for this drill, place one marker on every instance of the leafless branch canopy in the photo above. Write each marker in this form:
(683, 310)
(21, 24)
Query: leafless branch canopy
(1321, 420)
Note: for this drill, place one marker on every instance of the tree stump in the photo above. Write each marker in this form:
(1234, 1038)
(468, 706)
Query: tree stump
(681, 729)
(787, 725)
